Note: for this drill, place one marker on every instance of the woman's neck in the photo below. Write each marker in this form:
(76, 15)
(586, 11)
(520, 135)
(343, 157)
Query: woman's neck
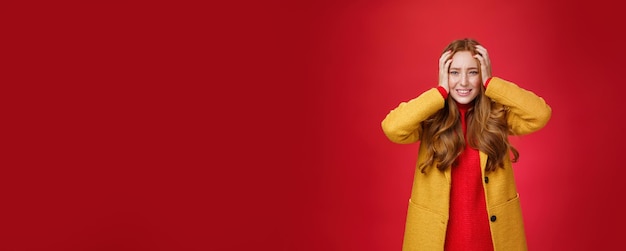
(464, 107)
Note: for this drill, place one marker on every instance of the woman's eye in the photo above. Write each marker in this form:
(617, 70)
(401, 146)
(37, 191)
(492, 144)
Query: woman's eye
(473, 72)
(454, 72)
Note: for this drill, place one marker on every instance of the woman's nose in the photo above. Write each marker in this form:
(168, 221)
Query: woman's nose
(464, 81)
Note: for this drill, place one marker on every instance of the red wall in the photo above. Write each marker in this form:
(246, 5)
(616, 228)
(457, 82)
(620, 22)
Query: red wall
(374, 55)
(257, 126)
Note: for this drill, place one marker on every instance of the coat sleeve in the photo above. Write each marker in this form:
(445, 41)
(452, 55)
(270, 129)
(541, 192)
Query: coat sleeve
(527, 112)
(403, 124)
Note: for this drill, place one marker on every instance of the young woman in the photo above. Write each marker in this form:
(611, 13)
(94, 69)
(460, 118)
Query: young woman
(464, 195)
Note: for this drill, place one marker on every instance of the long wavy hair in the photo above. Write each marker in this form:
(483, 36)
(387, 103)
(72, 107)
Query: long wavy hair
(487, 128)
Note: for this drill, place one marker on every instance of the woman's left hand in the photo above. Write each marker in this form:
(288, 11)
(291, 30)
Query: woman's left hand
(485, 63)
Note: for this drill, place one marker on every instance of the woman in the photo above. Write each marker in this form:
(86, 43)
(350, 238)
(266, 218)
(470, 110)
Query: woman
(464, 195)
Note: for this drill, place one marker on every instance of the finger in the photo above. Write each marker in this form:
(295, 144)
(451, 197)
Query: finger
(483, 57)
(480, 58)
(446, 66)
(483, 52)
(481, 48)
(444, 57)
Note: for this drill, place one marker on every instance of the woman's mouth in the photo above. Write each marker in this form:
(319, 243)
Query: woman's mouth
(463, 92)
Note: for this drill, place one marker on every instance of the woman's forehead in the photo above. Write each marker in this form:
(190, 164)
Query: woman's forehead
(463, 59)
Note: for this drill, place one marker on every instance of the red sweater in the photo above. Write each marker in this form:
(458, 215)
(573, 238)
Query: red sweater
(468, 227)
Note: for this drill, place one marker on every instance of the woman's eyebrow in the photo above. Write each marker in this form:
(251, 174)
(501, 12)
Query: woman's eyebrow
(459, 68)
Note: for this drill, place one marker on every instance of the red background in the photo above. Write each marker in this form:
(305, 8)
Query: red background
(195, 126)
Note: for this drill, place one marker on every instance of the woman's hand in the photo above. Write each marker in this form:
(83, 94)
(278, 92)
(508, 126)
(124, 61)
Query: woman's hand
(485, 63)
(444, 67)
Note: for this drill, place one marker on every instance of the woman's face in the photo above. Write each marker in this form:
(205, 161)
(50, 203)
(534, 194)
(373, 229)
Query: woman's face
(464, 77)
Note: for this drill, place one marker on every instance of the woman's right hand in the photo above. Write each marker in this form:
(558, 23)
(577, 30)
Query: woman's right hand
(444, 67)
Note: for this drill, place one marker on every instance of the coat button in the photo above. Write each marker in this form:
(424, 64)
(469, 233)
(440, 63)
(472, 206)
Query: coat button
(486, 179)
(493, 218)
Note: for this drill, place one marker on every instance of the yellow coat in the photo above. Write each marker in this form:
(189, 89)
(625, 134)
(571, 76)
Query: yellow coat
(427, 216)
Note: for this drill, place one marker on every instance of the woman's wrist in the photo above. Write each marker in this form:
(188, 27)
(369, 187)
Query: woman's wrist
(443, 92)
(487, 82)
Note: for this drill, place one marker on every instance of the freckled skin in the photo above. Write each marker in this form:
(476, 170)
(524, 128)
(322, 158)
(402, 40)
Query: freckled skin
(464, 77)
